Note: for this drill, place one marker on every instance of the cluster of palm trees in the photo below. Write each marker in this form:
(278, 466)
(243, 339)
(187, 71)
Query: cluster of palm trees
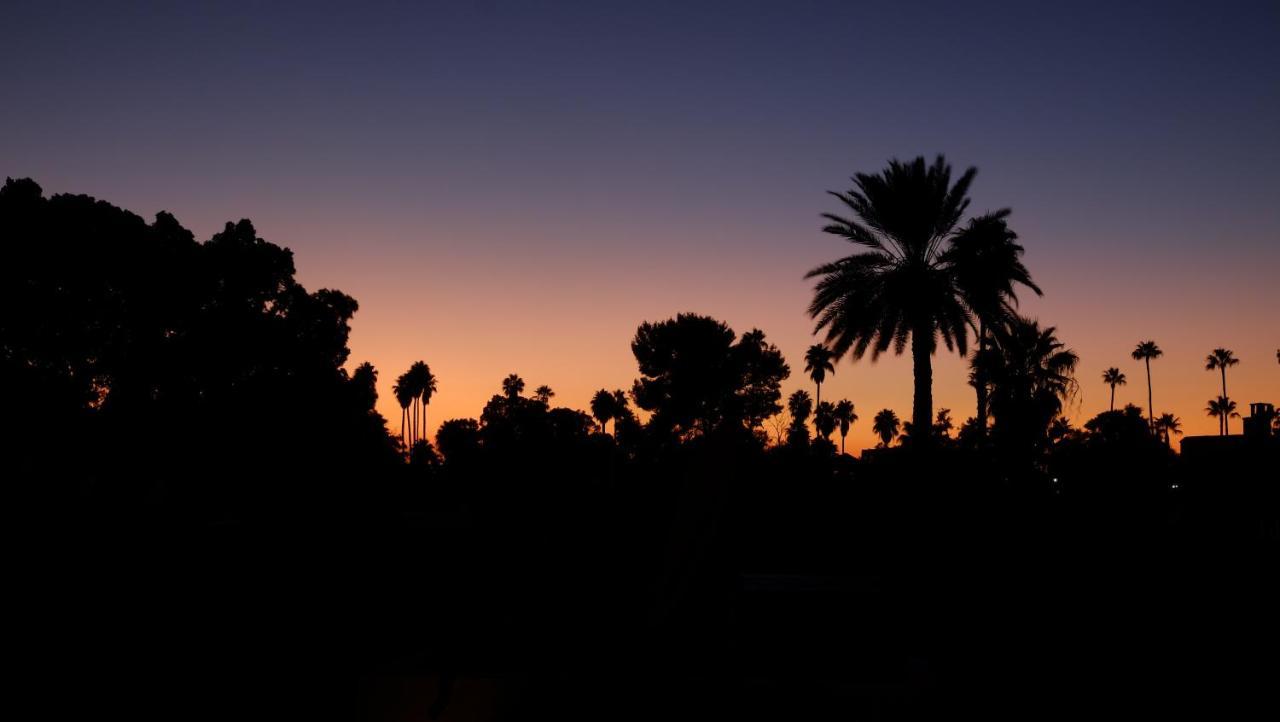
(1166, 425)
(609, 406)
(413, 390)
(920, 275)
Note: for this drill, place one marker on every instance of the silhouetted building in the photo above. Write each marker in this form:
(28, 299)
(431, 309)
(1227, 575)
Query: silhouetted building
(1259, 423)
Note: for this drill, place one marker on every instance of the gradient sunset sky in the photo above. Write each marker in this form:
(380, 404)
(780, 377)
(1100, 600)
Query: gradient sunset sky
(515, 186)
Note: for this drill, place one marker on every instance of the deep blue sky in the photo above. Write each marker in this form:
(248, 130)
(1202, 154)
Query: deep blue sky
(554, 172)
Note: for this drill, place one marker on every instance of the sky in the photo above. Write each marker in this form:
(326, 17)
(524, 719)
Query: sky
(516, 186)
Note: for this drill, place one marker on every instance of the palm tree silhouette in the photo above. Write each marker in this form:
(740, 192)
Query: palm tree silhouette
(1113, 378)
(1146, 351)
(543, 393)
(817, 363)
(424, 383)
(1221, 359)
(603, 407)
(824, 419)
(512, 386)
(845, 416)
(942, 424)
(1167, 426)
(404, 397)
(987, 264)
(903, 286)
(886, 426)
(1222, 408)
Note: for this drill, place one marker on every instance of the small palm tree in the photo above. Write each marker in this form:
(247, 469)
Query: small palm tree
(1221, 359)
(1223, 408)
(603, 407)
(886, 425)
(1113, 378)
(512, 386)
(543, 394)
(1167, 426)
(1146, 351)
(845, 416)
(817, 363)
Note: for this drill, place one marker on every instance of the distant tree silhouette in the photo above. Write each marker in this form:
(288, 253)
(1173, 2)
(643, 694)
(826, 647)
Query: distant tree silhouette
(1221, 359)
(800, 406)
(987, 264)
(942, 424)
(1113, 378)
(603, 407)
(1222, 408)
(886, 425)
(1145, 351)
(817, 363)
(1031, 374)
(404, 397)
(459, 440)
(512, 386)
(544, 394)
(824, 419)
(1060, 429)
(696, 379)
(845, 416)
(906, 284)
(1168, 425)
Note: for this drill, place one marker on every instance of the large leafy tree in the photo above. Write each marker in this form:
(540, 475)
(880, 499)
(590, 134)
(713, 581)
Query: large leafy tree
(907, 284)
(698, 377)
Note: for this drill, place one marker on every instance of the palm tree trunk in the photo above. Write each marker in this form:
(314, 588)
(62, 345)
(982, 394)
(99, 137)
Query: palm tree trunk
(1113, 397)
(1151, 413)
(980, 380)
(1226, 427)
(922, 366)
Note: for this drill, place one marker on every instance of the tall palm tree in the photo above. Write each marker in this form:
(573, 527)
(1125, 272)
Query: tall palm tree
(1113, 378)
(1221, 359)
(1167, 426)
(1222, 408)
(987, 262)
(817, 363)
(603, 407)
(845, 416)
(512, 386)
(1146, 351)
(902, 285)
(886, 426)
(404, 396)
(426, 386)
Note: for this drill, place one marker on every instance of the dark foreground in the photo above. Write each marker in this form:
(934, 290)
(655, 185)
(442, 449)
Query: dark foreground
(877, 593)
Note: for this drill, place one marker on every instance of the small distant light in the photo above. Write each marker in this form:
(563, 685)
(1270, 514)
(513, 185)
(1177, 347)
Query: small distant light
(1055, 480)
(1175, 486)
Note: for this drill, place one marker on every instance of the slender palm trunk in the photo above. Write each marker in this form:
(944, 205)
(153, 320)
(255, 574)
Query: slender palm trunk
(424, 418)
(842, 436)
(922, 365)
(1151, 413)
(402, 414)
(980, 380)
(1113, 397)
(1226, 424)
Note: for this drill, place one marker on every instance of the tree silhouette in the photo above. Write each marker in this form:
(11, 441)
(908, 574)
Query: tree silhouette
(817, 363)
(1168, 425)
(1145, 351)
(696, 379)
(824, 419)
(512, 386)
(942, 424)
(886, 425)
(404, 397)
(845, 416)
(1031, 374)
(987, 264)
(604, 408)
(799, 406)
(1113, 378)
(543, 394)
(1222, 408)
(1221, 359)
(904, 286)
